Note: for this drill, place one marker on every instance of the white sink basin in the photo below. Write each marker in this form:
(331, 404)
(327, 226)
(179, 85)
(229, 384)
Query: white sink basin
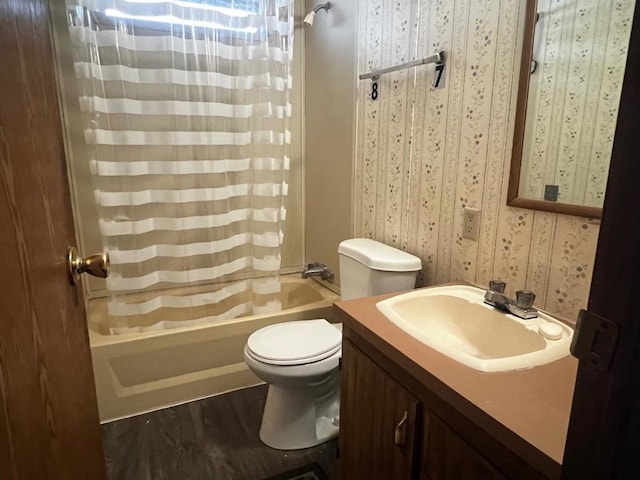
(455, 321)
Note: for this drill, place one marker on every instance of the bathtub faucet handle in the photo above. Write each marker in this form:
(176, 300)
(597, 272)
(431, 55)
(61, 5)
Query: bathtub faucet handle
(317, 269)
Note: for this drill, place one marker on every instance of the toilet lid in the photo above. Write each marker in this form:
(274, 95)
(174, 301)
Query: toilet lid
(295, 343)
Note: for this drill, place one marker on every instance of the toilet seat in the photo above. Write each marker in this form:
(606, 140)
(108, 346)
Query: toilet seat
(295, 343)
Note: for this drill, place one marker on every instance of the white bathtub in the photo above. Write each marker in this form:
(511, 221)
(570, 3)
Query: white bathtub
(139, 372)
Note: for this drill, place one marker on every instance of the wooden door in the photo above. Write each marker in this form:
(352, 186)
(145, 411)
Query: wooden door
(378, 422)
(602, 442)
(49, 427)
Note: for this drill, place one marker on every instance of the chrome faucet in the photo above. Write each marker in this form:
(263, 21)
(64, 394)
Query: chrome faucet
(521, 307)
(318, 270)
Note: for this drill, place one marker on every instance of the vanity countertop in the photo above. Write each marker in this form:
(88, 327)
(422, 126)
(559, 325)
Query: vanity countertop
(534, 404)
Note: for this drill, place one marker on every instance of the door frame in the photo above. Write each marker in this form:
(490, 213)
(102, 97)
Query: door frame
(602, 440)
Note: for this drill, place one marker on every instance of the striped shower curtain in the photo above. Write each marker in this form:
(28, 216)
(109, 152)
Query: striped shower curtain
(186, 109)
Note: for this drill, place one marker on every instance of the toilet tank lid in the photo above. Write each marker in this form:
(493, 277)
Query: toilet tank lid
(379, 256)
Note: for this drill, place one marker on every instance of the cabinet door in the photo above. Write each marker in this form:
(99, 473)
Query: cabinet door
(378, 420)
(446, 456)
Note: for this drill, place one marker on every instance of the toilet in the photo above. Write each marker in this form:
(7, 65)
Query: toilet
(299, 360)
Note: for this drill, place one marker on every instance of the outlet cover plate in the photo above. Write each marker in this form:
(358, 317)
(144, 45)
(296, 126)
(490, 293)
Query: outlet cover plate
(471, 223)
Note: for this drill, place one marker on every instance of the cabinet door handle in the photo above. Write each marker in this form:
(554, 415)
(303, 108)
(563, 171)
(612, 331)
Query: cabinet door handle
(400, 438)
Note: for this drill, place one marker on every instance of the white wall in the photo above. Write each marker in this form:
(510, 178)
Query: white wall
(330, 102)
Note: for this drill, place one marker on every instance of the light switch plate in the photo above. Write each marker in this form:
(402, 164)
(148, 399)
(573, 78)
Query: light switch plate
(471, 223)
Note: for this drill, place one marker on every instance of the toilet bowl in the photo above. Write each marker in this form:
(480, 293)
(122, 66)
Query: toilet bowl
(299, 361)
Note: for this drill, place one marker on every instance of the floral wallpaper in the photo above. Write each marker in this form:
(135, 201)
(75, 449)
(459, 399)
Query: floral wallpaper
(581, 53)
(423, 154)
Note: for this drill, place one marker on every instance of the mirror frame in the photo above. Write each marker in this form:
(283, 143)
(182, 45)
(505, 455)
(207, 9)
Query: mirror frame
(513, 198)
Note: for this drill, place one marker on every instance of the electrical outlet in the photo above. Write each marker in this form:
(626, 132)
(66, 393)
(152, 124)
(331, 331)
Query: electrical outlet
(471, 223)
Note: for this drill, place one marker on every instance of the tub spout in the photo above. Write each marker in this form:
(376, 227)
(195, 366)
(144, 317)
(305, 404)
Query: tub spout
(318, 270)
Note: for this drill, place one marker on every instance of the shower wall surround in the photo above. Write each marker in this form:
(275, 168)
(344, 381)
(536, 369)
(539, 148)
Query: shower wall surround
(422, 155)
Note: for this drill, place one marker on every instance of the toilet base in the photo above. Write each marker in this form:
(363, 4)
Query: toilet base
(296, 418)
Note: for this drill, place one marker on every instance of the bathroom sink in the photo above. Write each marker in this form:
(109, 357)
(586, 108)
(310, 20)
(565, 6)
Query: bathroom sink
(455, 321)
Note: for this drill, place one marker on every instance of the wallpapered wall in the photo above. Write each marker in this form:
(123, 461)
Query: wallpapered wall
(423, 154)
(581, 50)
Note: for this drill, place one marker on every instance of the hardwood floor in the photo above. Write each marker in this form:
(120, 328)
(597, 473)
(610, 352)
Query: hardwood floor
(211, 439)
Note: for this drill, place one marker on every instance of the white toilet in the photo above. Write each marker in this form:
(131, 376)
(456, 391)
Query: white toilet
(299, 360)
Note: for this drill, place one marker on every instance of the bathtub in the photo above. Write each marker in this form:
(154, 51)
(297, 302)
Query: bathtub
(140, 372)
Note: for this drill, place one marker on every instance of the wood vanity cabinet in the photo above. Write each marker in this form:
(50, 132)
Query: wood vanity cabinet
(378, 421)
(446, 456)
(387, 433)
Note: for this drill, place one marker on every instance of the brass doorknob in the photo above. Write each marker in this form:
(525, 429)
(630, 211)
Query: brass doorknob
(95, 265)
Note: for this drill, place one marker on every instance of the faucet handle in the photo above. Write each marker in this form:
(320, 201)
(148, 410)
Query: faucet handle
(497, 286)
(524, 299)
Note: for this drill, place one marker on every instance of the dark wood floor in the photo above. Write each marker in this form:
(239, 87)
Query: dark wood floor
(211, 439)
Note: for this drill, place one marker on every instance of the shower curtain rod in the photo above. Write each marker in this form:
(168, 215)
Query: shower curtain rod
(375, 74)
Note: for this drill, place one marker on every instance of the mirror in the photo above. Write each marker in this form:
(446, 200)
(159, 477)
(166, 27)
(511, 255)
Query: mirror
(571, 74)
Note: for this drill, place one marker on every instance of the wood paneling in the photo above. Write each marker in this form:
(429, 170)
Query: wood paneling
(49, 425)
(446, 456)
(372, 406)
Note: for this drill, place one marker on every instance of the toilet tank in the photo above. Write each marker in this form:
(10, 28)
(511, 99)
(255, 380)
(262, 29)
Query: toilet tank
(370, 268)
